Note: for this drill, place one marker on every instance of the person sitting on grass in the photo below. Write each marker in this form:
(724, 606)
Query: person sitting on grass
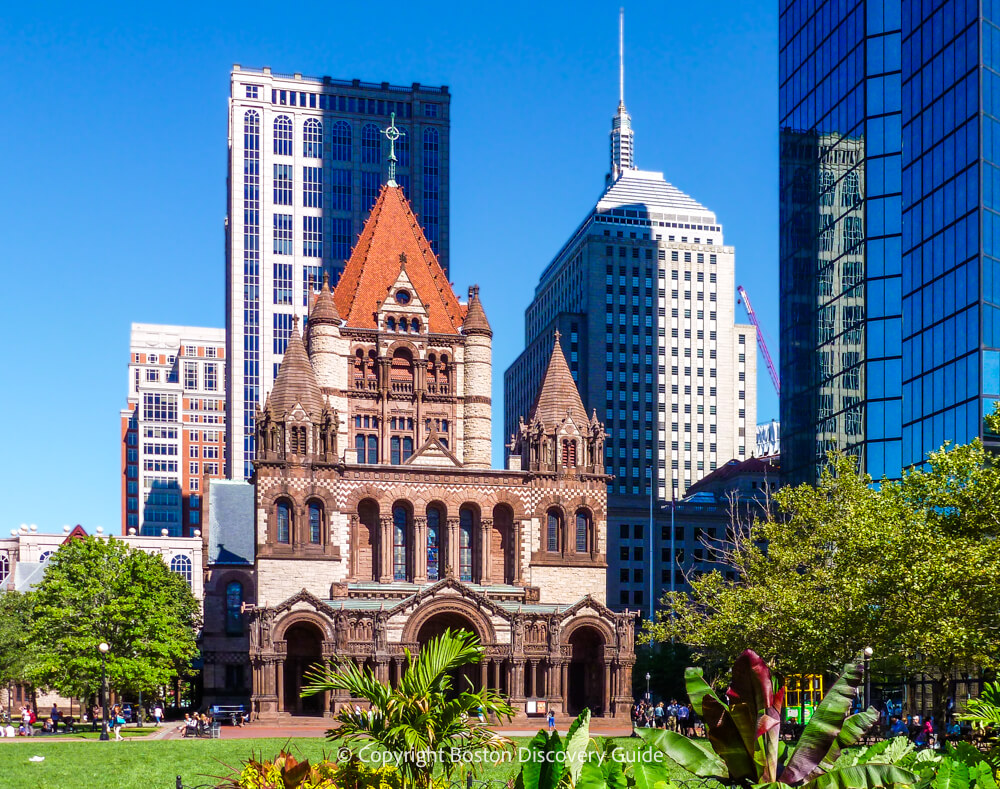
(49, 727)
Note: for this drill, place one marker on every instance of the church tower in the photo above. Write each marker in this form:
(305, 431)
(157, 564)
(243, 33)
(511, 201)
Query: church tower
(478, 383)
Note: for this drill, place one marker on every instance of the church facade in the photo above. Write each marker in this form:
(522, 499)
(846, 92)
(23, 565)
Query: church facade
(379, 522)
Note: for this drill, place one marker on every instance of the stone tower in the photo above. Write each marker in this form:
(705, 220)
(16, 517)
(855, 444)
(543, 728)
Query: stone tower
(478, 384)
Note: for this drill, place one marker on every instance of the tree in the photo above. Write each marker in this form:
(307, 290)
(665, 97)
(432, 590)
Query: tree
(98, 590)
(424, 718)
(15, 623)
(907, 568)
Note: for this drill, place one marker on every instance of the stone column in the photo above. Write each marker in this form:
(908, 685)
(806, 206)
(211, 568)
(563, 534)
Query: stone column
(486, 532)
(564, 677)
(420, 549)
(353, 540)
(518, 527)
(385, 550)
(452, 546)
(483, 674)
(607, 688)
(280, 682)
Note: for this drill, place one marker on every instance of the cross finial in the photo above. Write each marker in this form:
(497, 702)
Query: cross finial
(392, 134)
(558, 335)
(402, 260)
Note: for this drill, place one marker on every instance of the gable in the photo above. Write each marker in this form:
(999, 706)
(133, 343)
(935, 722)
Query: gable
(432, 453)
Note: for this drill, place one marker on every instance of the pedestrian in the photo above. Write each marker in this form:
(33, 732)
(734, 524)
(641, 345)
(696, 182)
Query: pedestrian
(26, 721)
(672, 715)
(650, 716)
(552, 719)
(682, 718)
(157, 713)
(659, 715)
(118, 719)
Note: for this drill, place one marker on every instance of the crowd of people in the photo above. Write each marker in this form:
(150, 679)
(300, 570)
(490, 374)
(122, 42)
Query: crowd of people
(675, 716)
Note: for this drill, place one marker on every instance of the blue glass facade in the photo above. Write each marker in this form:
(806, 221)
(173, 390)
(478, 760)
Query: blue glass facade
(890, 91)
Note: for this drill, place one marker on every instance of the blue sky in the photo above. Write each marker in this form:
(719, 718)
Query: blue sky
(113, 157)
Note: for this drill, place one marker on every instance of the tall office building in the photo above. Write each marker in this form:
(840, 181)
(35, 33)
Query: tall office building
(889, 316)
(643, 296)
(306, 160)
(173, 429)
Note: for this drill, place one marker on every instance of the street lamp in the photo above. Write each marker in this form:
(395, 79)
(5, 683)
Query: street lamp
(647, 686)
(103, 647)
(868, 676)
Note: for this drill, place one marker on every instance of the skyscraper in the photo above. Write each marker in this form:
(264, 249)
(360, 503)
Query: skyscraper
(305, 166)
(643, 296)
(889, 316)
(173, 428)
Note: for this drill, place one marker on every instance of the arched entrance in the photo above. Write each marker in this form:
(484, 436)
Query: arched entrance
(303, 651)
(586, 672)
(453, 620)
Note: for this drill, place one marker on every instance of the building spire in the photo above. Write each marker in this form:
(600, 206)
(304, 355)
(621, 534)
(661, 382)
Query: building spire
(621, 124)
(392, 134)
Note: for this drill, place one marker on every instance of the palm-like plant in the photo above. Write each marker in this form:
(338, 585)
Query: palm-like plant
(424, 719)
(984, 712)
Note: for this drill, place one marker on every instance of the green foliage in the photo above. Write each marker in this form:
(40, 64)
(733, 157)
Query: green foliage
(960, 767)
(424, 715)
(906, 568)
(15, 624)
(984, 712)
(287, 772)
(744, 748)
(96, 590)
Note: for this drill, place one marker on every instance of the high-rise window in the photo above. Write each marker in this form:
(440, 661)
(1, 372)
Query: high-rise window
(403, 149)
(283, 135)
(312, 236)
(340, 239)
(190, 375)
(251, 282)
(282, 184)
(282, 331)
(282, 234)
(312, 139)
(340, 147)
(312, 281)
(211, 376)
(432, 183)
(312, 187)
(370, 183)
(282, 281)
(341, 189)
(371, 144)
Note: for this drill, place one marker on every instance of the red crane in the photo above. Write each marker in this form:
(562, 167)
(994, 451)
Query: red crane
(760, 339)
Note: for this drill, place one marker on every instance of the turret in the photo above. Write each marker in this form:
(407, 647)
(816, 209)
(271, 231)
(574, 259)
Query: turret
(477, 441)
(326, 348)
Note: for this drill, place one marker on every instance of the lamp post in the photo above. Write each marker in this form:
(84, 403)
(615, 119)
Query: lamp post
(868, 676)
(647, 686)
(103, 647)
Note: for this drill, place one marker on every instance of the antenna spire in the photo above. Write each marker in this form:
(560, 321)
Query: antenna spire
(621, 56)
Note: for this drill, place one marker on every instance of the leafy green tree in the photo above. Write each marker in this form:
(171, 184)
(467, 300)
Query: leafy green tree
(98, 590)
(907, 568)
(424, 718)
(15, 626)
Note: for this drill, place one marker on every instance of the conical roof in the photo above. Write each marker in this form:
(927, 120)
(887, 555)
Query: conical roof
(296, 382)
(558, 393)
(391, 238)
(324, 308)
(475, 316)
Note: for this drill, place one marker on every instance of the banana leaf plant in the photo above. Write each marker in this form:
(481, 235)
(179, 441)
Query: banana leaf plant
(744, 747)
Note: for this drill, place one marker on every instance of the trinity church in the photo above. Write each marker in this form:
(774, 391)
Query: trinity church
(378, 522)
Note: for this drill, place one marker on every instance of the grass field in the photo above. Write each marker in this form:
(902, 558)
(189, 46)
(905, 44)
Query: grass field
(155, 764)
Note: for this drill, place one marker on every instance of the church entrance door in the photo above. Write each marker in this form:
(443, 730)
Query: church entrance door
(303, 651)
(452, 620)
(586, 672)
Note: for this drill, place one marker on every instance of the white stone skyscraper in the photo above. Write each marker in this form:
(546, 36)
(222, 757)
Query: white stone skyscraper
(643, 293)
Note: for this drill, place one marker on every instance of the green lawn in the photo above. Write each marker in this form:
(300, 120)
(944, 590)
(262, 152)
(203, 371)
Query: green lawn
(154, 764)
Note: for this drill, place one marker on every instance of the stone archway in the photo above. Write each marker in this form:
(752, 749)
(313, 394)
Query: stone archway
(453, 620)
(585, 672)
(303, 651)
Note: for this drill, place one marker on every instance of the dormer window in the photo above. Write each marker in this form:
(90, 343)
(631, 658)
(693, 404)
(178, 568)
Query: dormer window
(403, 297)
(390, 323)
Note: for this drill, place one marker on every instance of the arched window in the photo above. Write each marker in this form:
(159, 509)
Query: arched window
(399, 535)
(181, 565)
(401, 371)
(553, 525)
(284, 522)
(341, 141)
(46, 555)
(283, 135)
(371, 148)
(433, 543)
(298, 440)
(312, 139)
(315, 523)
(582, 531)
(414, 325)
(390, 323)
(234, 604)
(569, 453)
(466, 525)
(4, 568)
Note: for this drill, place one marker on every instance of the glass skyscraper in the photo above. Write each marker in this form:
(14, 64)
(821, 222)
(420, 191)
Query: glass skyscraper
(888, 327)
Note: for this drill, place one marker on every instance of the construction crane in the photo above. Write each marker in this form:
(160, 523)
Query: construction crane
(760, 339)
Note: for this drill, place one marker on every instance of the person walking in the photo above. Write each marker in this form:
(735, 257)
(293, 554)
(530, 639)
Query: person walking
(157, 714)
(552, 719)
(682, 718)
(119, 720)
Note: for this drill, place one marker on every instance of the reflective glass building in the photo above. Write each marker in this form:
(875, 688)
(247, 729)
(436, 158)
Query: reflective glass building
(888, 318)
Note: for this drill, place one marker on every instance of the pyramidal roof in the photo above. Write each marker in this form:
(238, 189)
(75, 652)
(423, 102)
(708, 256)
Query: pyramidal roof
(296, 382)
(558, 393)
(475, 315)
(324, 310)
(391, 239)
(648, 189)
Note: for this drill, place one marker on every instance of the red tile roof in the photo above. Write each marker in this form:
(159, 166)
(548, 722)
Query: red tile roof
(391, 232)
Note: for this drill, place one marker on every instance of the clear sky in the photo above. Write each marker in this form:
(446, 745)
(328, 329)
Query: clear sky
(113, 162)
